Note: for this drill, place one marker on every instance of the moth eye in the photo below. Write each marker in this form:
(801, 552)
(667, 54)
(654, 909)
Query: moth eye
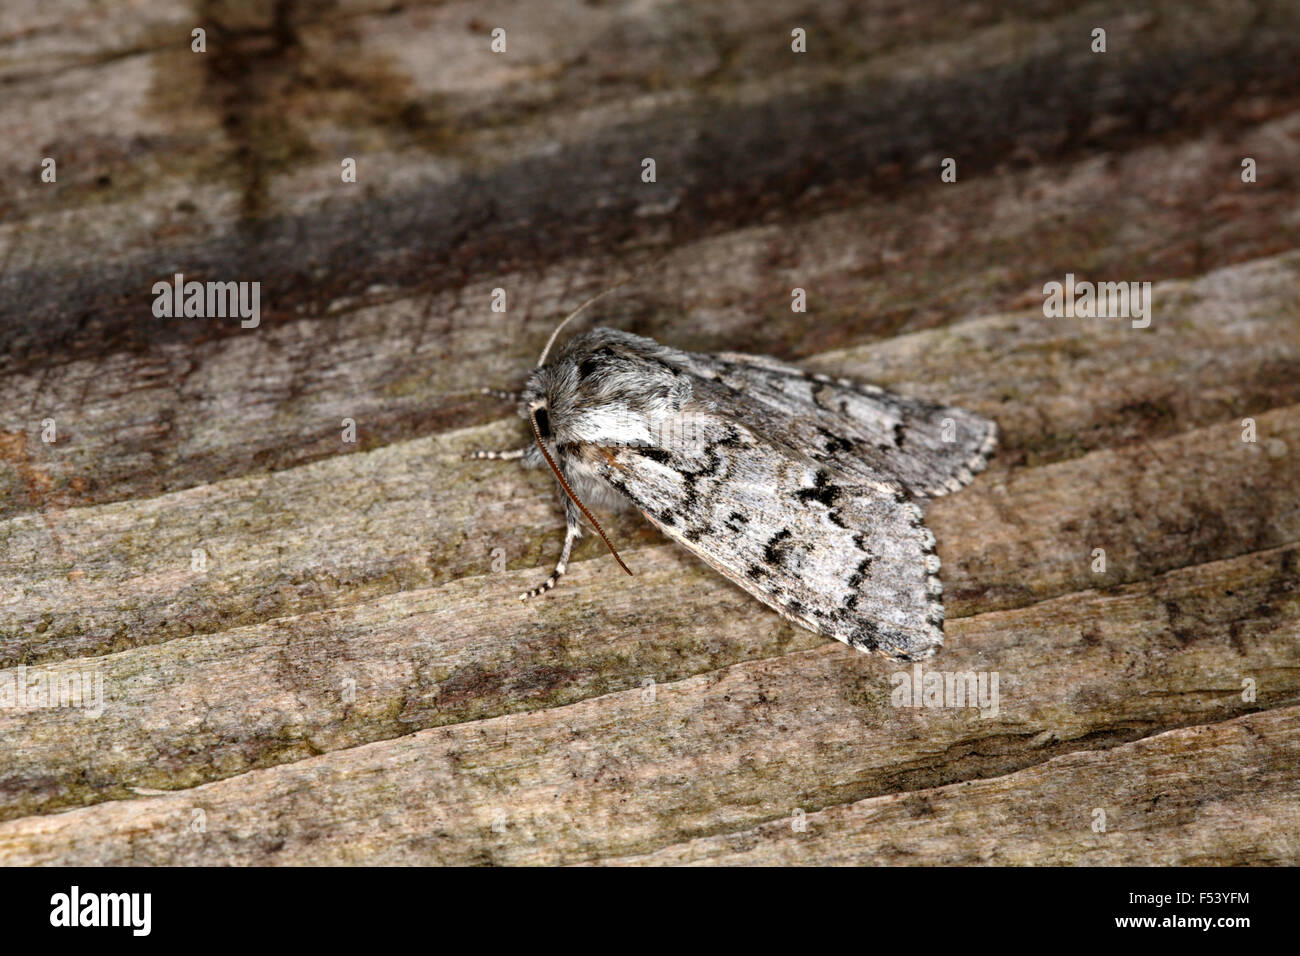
(543, 422)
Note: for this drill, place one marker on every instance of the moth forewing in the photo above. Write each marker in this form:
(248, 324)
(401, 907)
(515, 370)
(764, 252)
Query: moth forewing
(846, 560)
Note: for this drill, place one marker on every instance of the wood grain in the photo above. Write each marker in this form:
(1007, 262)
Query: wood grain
(1192, 797)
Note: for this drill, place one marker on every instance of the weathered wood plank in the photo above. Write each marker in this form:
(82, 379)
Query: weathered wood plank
(137, 423)
(287, 87)
(1038, 529)
(345, 681)
(714, 752)
(445, 225)
(1223, 795)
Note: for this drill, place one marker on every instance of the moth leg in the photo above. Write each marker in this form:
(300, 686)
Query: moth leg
(572, 532)
(509, 454)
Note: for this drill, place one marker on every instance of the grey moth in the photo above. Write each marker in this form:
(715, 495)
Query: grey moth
(804, 490)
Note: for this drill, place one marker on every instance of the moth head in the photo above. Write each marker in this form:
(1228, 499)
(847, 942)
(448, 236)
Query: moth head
(549, 395)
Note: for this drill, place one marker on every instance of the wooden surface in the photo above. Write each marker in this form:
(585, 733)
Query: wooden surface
(350, 681)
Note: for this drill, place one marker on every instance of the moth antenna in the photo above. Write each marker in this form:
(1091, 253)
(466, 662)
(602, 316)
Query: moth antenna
(551, 341)
(537, 434)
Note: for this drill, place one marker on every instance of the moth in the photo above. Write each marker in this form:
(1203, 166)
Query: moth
(805, 490)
